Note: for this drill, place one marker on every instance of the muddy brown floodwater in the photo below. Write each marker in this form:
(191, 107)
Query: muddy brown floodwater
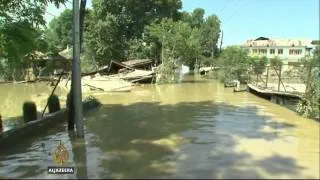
(195, 129)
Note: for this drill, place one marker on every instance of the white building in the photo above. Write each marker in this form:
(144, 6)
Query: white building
(288, 50)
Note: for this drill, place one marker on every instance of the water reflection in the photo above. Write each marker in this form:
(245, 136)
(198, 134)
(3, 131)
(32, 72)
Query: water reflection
(194, 139)
(79, 155)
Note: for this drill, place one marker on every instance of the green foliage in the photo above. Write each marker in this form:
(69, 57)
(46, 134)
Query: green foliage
(16, 40)
(31, 12)
(276, 62)
(259, 65)
(59, 33)
(309, 105)
(104, 41)
(29, 111)
(304, 107)
(195, 19)
(20, 22)
(140, 49)
(235, 63)
(53, 103)
(178, 39)
(209, 34)
(134, 15)
(117, 27)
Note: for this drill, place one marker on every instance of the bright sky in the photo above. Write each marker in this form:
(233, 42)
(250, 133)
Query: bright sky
(247, 19)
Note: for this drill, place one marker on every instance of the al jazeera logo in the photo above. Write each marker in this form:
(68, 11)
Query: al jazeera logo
(60, 156)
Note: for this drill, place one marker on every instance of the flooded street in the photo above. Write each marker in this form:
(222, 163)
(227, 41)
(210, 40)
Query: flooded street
(195, 129)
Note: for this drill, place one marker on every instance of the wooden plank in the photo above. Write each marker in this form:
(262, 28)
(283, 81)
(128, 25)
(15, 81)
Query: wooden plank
(253, 87)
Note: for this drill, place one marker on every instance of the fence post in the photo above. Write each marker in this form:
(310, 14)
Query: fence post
(308, 80)
(1, 126)
(280, 69)
(267, 76)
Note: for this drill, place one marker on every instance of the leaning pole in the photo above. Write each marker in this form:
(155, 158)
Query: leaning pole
(76, 72)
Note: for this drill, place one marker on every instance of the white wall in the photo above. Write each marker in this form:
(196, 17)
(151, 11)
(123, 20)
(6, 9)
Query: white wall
(285, 56)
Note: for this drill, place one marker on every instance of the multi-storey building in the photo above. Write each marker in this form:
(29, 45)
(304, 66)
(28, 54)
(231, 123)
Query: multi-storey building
(288, 50)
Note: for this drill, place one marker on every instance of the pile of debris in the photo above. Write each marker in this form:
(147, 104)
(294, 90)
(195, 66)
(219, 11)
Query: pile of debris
(117, 77)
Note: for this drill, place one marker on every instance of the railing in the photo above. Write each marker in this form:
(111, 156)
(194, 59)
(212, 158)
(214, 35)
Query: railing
(285, 78)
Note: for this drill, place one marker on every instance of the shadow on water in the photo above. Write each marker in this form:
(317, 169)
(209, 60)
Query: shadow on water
(194, 139)
(153, 140)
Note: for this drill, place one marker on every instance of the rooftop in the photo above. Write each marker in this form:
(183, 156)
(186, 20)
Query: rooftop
(263, 41)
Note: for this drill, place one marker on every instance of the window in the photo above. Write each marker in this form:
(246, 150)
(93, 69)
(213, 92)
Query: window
(295, 51)
(272, 51)
(254, 51)
(262, 51)
(280, 51)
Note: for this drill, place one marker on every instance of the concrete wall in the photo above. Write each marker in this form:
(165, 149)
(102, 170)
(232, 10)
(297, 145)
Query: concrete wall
(286, 57)
(38, 127)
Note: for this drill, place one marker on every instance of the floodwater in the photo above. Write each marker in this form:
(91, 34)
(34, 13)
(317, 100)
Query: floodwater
(196, 129)
(13, 96)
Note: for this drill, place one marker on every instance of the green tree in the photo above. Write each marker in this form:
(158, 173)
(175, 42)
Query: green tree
(180, 44)
(104, 40)
(27, 11)
(276, 63)
(309, 106)
(20, 21)
(17, 39)
(234, 62)
(259, 65)
(209, 36)
(59, 32)
(132, 16)
(195, 19)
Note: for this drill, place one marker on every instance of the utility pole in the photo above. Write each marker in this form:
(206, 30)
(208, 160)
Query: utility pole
(76, 72)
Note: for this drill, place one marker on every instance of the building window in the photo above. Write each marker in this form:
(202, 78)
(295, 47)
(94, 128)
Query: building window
(295, 51)
(272, 51)
(262, 51)
(280, 51)
(254, 51)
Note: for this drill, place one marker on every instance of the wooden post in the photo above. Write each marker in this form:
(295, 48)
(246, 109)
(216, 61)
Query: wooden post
(1, 126)
(308, 80)
(280, 69)
(267, 76)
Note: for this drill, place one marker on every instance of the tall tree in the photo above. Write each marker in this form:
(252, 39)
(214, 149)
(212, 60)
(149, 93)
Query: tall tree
(134, 15)
(59, 32)
(19, 31)
(210, 30)
(104, 41)
(25, 10)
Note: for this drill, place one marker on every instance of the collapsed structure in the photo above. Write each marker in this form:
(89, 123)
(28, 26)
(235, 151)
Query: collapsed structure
(117, 76)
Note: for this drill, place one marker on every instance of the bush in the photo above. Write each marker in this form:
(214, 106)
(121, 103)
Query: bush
(29, 111)
(276, 62)
(259, 65)
(53, 104)
(304, 107)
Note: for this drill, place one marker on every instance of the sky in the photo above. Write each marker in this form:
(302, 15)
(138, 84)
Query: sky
(248, 19)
